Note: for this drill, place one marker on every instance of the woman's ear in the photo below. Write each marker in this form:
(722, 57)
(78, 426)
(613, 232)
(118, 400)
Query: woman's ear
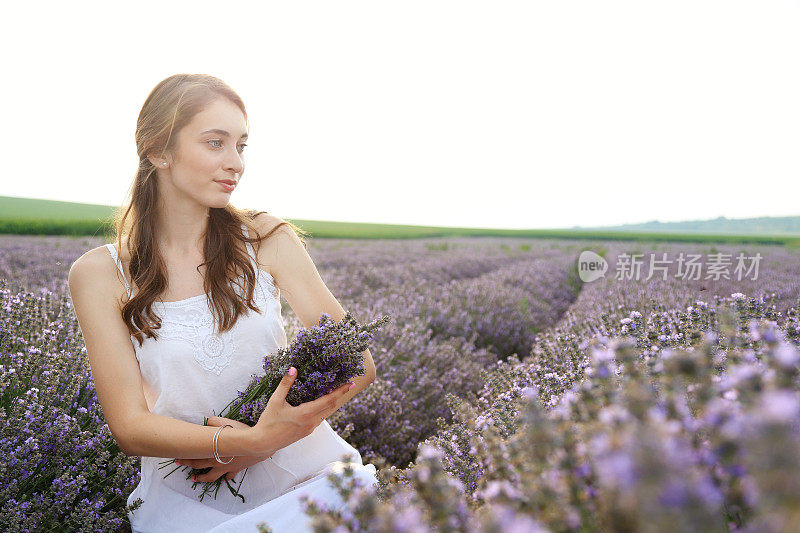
(159, 162)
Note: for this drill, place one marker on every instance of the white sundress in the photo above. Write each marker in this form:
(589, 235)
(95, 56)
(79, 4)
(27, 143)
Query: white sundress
(190, 373)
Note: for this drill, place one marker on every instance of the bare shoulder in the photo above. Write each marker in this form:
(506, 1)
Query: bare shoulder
(90, 264)
(96, 271)
(266, 222)
(283, 235)
(274, 248)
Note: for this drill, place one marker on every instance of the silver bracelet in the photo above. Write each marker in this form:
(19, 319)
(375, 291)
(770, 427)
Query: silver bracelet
(214, 445)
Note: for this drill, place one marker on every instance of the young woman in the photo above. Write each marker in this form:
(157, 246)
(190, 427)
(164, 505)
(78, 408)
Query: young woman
(178, 314)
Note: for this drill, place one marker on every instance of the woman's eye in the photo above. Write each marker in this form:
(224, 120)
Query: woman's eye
(241, 146)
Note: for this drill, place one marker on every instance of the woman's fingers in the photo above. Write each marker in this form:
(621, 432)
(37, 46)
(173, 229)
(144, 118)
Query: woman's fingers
(232, 475)
(197, 463)
(211, 475)
(324, 403)
(216, 469)
(325, 410)
(330, 408)
(215, 473)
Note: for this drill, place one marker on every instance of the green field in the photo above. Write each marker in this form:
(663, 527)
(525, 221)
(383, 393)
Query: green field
(29, 216)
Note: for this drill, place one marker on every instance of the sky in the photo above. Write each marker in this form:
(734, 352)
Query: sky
(493, 114)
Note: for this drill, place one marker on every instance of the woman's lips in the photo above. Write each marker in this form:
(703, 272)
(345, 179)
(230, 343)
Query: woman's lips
(225, 185)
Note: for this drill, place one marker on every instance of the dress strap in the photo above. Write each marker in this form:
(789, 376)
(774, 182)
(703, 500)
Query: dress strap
(253, 261)
(250, 251)
(113, 251)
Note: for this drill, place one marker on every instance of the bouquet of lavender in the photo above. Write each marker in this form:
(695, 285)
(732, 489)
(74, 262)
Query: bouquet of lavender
(326, 356)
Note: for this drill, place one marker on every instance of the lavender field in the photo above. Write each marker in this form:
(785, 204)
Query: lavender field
(510, 395)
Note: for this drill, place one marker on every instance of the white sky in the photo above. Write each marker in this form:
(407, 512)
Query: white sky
(482, 114)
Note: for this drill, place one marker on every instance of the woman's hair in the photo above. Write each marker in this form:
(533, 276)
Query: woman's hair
(170, 106)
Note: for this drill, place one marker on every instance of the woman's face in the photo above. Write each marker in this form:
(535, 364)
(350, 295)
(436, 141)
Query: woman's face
(208, 149)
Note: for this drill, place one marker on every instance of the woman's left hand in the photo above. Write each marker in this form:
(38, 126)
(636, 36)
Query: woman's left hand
(230, 470)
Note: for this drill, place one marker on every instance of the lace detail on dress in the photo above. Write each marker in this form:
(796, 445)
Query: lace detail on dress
(192, 321)
(195, 324)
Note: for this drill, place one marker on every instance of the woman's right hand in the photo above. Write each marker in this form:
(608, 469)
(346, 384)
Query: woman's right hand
(282, 424)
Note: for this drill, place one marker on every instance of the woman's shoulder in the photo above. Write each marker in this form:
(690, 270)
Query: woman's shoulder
(95, 269)
(102, 250)
(265, 222)
(287, 234)
(272, 249)
(97, 260)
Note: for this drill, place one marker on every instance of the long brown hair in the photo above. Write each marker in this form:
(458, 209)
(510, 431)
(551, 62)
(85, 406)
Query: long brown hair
(170, 106)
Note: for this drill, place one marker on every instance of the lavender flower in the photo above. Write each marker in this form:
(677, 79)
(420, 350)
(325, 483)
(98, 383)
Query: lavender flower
(326, 356)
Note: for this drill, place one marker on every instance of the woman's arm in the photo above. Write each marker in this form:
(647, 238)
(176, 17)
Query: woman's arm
(300, 283)
(94, 288)
(153, 435)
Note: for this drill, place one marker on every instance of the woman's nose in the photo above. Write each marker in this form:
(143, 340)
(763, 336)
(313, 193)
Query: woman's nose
(235, 164)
